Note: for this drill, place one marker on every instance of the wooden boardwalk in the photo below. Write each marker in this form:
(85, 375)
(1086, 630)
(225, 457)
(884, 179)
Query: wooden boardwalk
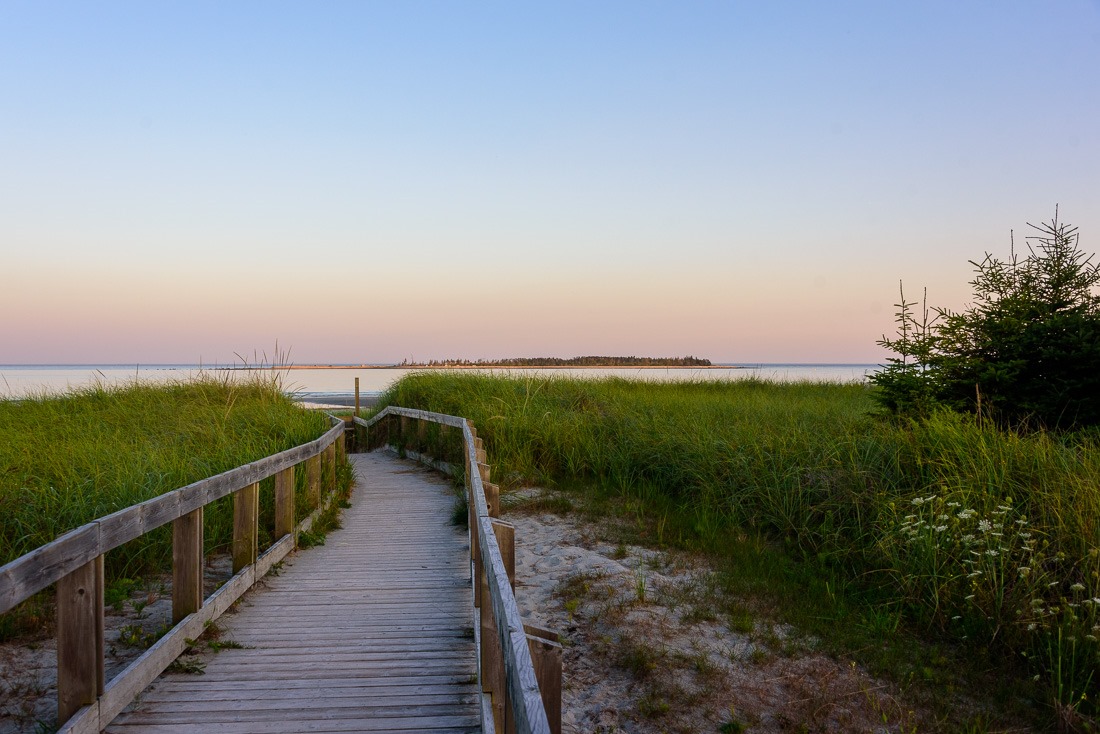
(371, 632)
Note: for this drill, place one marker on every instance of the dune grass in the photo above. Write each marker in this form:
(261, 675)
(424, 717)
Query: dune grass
(968, 533)
(66, 460)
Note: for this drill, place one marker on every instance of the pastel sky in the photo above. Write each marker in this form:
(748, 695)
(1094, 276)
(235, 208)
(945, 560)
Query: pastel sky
(369, 181)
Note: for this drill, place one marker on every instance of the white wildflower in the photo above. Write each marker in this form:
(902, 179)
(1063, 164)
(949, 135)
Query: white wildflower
(985, 526)
(1077, 587)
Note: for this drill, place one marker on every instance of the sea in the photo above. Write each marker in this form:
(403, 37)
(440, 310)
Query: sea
(335, 385)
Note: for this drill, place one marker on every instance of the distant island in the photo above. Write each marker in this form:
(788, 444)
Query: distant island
(590, 361)
(514, 362)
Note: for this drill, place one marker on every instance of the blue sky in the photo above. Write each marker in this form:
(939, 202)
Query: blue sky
(368, 181)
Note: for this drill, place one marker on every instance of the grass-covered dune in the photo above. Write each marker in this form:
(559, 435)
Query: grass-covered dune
(67, 460)
(983, 536)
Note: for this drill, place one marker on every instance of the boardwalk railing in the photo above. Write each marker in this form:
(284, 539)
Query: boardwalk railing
(519, 668)
(75, 563)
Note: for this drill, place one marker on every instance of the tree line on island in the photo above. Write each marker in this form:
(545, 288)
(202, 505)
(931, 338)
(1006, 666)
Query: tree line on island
(589, 361)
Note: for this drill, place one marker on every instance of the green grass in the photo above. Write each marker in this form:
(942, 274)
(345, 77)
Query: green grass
(970, 535)
(67, 460)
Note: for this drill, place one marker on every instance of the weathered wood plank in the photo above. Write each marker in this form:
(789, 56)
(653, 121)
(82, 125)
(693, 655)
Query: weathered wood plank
(187, 557)
(246, 508)
(284, 502)
(30, 573)
(393, 636)
(79, 638)
(36, 570)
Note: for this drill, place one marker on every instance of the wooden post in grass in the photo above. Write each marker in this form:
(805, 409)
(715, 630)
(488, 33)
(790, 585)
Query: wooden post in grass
(313, 474)
(341, 450)
(356, 397)
(421, 436)
(245, 512)
(79, 638)
(284, 502)
(187, 556)
(403, 434)
(330, 462)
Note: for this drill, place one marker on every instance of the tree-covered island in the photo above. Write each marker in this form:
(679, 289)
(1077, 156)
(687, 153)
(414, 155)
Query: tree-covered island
(589, 361)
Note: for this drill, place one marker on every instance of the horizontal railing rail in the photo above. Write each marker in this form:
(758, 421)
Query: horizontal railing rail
(74, 562)
(506, 669)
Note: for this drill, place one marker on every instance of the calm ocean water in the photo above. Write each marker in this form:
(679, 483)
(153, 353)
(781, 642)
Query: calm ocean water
(336, 385)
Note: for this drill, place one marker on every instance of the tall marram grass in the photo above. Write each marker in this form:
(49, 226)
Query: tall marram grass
(67, 460)
(978, 533)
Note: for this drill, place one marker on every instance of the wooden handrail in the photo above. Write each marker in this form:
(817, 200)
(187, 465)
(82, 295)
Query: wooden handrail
(74, 561)
(523, 695)
(30, 573)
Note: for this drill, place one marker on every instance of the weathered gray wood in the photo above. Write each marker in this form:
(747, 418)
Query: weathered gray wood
(313, 484)
(36, 570)
(187, 557)
(43, 566)
(79, 638)
(492, 498)
(277, 552)
(284, 502)
(330, 468)
(523, 688)
(379, 632)
(246, 503)
(403, 432)
(132, 522)
(546, 656)
(130, 682)
(84, 721)
(506, 540)
(491, 657)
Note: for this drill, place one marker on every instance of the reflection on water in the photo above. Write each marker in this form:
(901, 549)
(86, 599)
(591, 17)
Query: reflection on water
(318, 384)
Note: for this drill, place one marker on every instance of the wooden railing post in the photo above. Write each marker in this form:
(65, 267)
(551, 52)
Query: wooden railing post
(79, 638)
(330, 462)
(284, 502)
(506, 539)
(492, 657)
(492, 498)
(422, 436)
(341, 450)
(245, 513)
(545, 647)
(313, 474)
(187, 558)
(403, 434)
